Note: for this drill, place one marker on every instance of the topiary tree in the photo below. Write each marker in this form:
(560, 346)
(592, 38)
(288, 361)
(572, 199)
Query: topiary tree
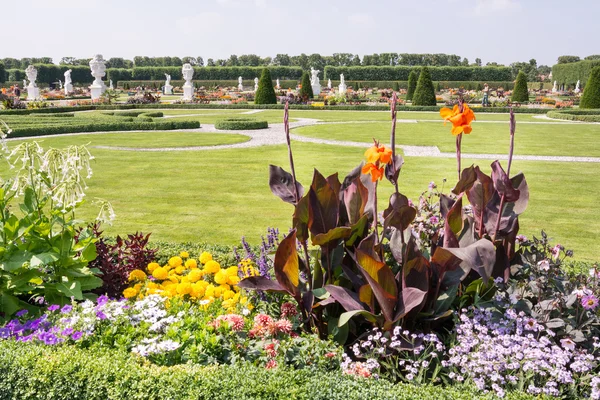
(424, 93)
(306, 90)
(265, 94)
(412, 84)
(395, 86)
(591, 91)
(2, 73)
(520, 93)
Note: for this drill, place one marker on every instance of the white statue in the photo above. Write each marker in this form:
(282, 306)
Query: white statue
(329, 83)
(188, 87)
(240, 84)
(314, 81)
(342, 88)
(554, 88)
(255, 84)
(68, 82)
(24, 83)
(577, 89)
(278, 86)
(33, 92)
(111, 85)
(98, 72)
(168, 89)
(60, 84)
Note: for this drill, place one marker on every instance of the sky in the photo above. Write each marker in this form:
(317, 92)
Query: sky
(503, 31)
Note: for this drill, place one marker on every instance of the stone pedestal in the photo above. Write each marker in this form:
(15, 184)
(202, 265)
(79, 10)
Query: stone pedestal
(342, 88)
(68, 89)
(168, 89)
(241, 87)
(96, 91)
(188, 92)
(316, 89)
(33, 92)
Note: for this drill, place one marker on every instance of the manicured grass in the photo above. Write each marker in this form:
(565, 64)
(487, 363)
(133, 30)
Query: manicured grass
(490, 138)
(218, 196)
(143, 139)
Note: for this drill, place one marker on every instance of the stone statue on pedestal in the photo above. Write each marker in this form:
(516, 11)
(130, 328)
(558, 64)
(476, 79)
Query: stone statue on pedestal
(278, 86)
(168, 87)
(255, 84)
(33, 92)
(329, 83)
(342, 88)
(98, 72)
(188, 87)
(577, 89)
(314, 81)
(240, 84)
(68, 82)
(554, 88)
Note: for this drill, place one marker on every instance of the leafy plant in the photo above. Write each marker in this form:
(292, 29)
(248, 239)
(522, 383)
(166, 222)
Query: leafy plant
(591, 93)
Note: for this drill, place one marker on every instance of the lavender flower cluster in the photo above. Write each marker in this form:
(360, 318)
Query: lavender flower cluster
(73, 323)
(261, 259)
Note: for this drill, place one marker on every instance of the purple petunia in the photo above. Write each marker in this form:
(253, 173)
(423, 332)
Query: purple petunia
(53, 307)
(66, 309)
(102, 300)
(100, 315)
(76, 335)
(21, 313)
(67, 332)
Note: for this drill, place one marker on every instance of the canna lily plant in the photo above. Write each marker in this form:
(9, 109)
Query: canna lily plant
(357, 269)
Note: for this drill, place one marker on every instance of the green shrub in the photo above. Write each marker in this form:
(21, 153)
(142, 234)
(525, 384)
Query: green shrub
(395, 86)
(574, 115)
(265, 93)
(520, 93)
(3, 74)
(412, 84)
(401, 73)
(213, 73)
(591, 93)
(306, 91)
(569, 74)
(237, 124)
(424, 93)
(29, 371)
(55, 115)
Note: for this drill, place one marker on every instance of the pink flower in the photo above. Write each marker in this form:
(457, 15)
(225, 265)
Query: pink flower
(283, 326)
(271, 364)
(544, 265)
(567, 344)
(434, 220)
(288, 310)
(589, 302)
(556, 251)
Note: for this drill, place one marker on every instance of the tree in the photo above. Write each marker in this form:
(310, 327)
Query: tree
(520, 92)
(67, 61)
(233, 61)
(568, 59)
(478, 62)
(316, 61)
(210, 62)
(395, 86)
(190, 60)
(412, 84)
(249, 60)
(593, 57)
(306, 91)
(2, 73)
(355, 61)
(282, 59)
(424, 93)
(265, 94)
(199, 61)
(591, 92)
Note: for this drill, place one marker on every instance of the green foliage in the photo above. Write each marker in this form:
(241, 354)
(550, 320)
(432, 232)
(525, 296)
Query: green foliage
(43, 253)
(591, 93)
(118, 74)
(413, 77)
(3, 73)
(395, 86)
(568, 59)
(213, 73)
(520, 93)
(569, 74)
(29, 371)
(235, 124)
(306, 91)
(576, 115)
(265, 93)
(424, 92)
(285, 84)
(484, 74)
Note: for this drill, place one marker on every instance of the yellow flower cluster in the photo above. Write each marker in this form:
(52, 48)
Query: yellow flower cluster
(201, 280)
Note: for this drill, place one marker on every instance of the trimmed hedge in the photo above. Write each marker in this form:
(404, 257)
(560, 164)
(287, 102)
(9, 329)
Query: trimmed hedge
(3, 73)
(306, 91)
(214, 73)
(413, 77)
(36, 372)
(437, 73)
(574, 115)
(285, 84)
(265, 94)
(55, 115)
(424, 93)
(520, 94)
(569, 74)
(144, 124)
(591, 94)
(238, 124)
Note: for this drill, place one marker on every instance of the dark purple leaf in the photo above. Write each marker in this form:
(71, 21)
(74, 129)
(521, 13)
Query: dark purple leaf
(323, 205)
(467, 178)
(356, 196)
(261, 283)
(502, 184)
(282, 186)
(347, 299)
(392, 170)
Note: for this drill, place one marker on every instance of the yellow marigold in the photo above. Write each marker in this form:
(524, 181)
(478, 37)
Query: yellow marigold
(232, 271)
(173, 278)
(197, 290)
(194, 275)
(212, 267)
(191, 263)
(151, 285)
(227, 304)
(203, 283)
(175, 261)
(228, 294)
(243, 300)
(184, 288)
(152, 266)
(130, 293)
(225, 287)
(137, 275)
(165, 284)
(205, 257)
(233, 280)
(179, 270)
(160, 273)
(171, 291)
(184, 254)
(221, 277)
(209, 291)
(138, 286)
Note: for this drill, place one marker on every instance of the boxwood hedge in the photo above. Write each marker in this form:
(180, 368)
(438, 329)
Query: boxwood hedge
(237, 124)
(36, 372)
(401, 73)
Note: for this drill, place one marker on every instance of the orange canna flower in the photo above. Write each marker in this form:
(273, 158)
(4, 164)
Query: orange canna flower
(378, 153)
(461, 121)
(376, 172)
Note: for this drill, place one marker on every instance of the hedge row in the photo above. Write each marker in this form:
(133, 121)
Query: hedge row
(569, 74)
(209, 73)
(437, 73)
(36, 372)
(144, 124)
(248, 83)
(238, 124)
(575, 116)
(50, 73)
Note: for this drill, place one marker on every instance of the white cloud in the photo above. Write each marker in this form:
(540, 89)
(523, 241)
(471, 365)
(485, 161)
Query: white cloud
(260, 3)
(485, 7)
(198, 22)
(360, 19)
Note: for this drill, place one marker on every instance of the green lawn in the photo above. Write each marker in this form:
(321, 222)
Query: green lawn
(218, 196)
(149, 139)
(492, 138)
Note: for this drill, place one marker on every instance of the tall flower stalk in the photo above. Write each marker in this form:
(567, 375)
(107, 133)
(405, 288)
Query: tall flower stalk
(393, 136)
(513, 126)
(461, 117)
